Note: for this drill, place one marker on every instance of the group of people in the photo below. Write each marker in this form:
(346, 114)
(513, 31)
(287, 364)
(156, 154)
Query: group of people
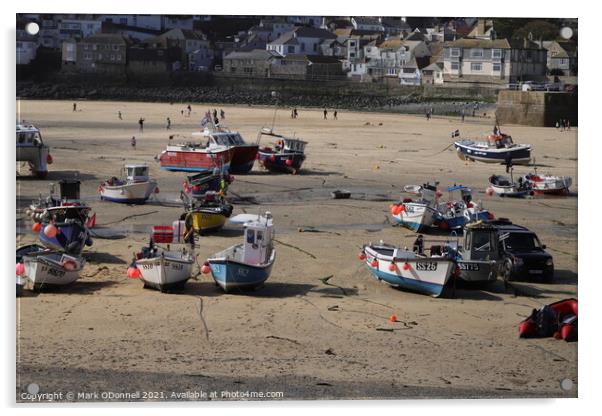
(334, 114)
(563, 124)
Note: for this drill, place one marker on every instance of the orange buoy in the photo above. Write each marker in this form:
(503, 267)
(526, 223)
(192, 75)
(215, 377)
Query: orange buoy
(393, 318)
(134, 272)
(205, 269)
(36, 227)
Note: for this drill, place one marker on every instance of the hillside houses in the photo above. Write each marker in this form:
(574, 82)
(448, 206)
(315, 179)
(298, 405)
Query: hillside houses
(441, 52)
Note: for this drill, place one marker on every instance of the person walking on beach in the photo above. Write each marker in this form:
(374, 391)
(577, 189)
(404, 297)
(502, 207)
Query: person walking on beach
(119, 115)
(168, 123)
(222, 113)
(335, 114)
(292, 113)
(462, 115)
(189, 110)
(133, 142)
(296, 113)
(568, 124)
(325, 114)
(141, 124)
(74, 106)
(561, 124)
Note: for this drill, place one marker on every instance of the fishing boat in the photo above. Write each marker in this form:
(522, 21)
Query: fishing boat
(136, 188)
(206, 214)
(479, 254)
(195, 157)
(417, 215)
(455, 214)
(32, 150)
(197, 185)
(247, 265)
(497, 148)
(162, 268)
(243, 153)
(50, 268)
(22, 251)
(286, 155)
(407, 269)
(62, 223)
(548, 184)
(506, 186)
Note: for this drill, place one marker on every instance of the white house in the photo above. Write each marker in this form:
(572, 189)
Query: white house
(301, 40)
(433, 74)
(409, 74)
(78, 28)
(369, 24)
(27, 47)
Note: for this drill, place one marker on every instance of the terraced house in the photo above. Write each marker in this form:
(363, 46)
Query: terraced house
(493, 61)
(101, 53)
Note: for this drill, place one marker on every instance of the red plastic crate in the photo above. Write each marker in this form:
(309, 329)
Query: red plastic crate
(162, 233)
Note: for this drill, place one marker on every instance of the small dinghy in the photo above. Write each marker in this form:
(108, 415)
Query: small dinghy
(496, 148)
(287, 154)
(408, 269)
(506, 187)
(247, 265)
(49, 268)
(136, 188)
(548, 184)
(22, 251)
(162, 268)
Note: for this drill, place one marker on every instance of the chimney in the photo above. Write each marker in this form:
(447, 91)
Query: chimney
(481, 26)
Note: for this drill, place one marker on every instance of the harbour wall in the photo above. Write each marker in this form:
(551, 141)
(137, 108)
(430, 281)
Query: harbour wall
(536, 108)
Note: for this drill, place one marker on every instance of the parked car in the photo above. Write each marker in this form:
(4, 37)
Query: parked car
(571, 88)
(522, 254)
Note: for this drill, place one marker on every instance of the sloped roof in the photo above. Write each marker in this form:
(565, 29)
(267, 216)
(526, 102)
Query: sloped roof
(312, 32)
(433, 67)
(364, 20)
(488, 44)
(253, 54)
(106, 38)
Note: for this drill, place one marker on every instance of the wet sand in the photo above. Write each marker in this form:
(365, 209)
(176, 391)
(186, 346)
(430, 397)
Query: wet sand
(296, 335)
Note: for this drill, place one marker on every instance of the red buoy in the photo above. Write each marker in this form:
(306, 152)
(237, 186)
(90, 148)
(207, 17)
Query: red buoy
(362, 256)
(374, 263)
(134, 272)
(20, 269)
(392, 267)
(406, 266)
(393, 318)
(205, 269)
(36, 227)
(50, 231)
(49, 159)
(288, 162)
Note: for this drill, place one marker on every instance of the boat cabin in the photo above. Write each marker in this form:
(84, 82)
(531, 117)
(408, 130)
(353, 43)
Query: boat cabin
(137, 172)
(465, 192)
(257, 246)
(28, 136)
(481, 242)
(225, 139)
(69, 189)
(286, 145)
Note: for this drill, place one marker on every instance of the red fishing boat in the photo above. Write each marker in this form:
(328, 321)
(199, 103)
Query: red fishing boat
(243, 153)
(195, 157)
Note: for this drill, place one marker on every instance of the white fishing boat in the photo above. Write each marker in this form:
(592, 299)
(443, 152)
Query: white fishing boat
(496, 148)
(164, 269)
(47, 268)
(247, 265)
(32, 150)
(409, 270)
(549, 184)
(417, 215)
(507, 187)
(136, 188)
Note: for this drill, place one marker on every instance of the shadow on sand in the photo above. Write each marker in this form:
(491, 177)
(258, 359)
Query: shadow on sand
(77, 288)
(103, 258)
(268, 290)
(57, 175)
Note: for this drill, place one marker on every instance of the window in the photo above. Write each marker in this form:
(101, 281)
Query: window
(497, 67)
(496, 53)
(476, 53)
(118, 57)
(455, 52)
(409, 70)
(112, 57)
(315, 47)
(392, 71)
(115, 47)
(455, 66)
(291, 49)
(476, 66)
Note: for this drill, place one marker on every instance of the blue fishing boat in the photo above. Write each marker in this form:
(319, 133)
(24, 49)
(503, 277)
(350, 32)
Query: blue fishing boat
(455, 214)
(198, 185)
(287, 155)
(247, 265)
(497, 148)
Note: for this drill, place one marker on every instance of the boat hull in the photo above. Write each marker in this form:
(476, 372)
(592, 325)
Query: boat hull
(477, 270)
(416, 217)
(232, 275)
(164, 273)
(281, 162)
(423, 275)
(131, 193)
(243, 158)
(47, 270)
(195, 161)
(520, 155)
(550, 185)
(71, 238)
(204, 222)
(36, 156)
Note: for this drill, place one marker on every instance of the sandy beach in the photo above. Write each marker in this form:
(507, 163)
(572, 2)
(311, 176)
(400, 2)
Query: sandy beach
(296, 335)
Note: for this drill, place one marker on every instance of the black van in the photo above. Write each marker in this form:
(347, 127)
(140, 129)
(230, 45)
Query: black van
(522, 254)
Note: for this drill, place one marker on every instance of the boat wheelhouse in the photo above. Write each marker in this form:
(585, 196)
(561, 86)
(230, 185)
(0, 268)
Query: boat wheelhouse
(32, 150)
(287, 154)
